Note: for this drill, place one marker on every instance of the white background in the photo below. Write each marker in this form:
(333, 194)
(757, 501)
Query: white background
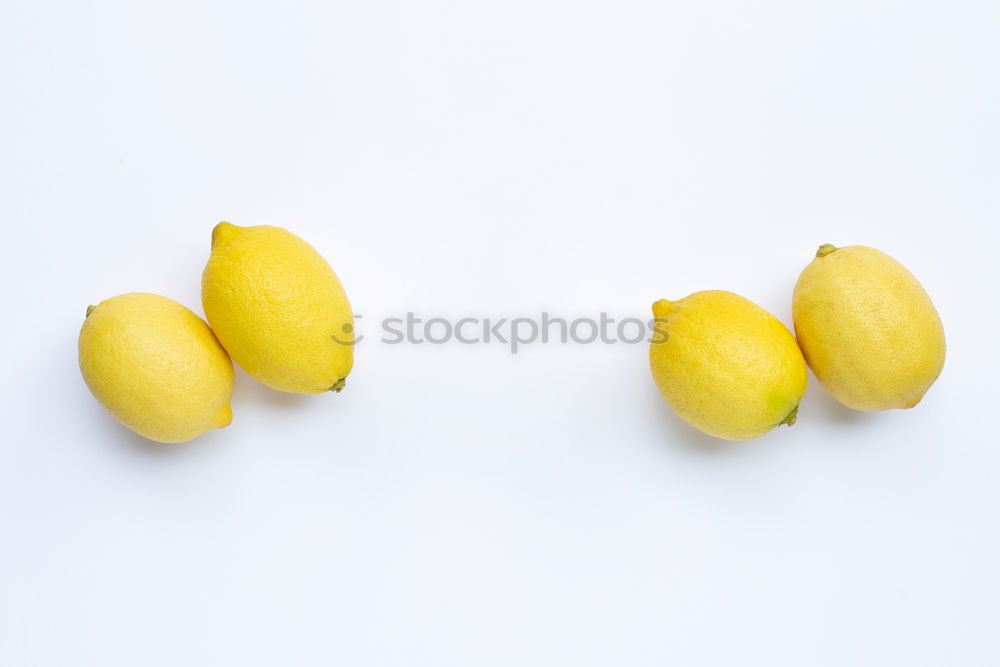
(457, 505)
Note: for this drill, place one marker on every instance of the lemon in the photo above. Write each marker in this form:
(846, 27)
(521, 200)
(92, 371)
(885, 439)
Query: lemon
(156, 366)
(278, 309)
(725, 365)
(867, 328)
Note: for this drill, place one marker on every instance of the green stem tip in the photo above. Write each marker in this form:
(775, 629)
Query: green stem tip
(90, 309)
(790, 417)
(338, 385)
(825, 249)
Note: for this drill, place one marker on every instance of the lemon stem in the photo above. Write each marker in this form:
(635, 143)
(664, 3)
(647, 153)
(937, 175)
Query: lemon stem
(790, 417)
(338, 385)
(90, 309)
(825, 249)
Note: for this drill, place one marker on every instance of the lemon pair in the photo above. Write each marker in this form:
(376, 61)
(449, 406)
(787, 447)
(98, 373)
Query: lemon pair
(863, 323)
(274, 305)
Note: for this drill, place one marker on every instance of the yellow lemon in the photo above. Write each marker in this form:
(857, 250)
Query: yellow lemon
(867, 328)
(156, 366)
(725, 365)
(278, 309)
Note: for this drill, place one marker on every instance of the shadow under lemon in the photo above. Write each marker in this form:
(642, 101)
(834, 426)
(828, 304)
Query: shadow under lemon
(248, 392)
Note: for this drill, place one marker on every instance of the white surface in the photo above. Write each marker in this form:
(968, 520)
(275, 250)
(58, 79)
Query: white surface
(457, 505)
